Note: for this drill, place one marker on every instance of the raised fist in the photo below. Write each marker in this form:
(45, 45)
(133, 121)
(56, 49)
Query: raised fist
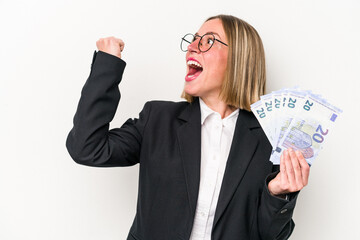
(111, 45)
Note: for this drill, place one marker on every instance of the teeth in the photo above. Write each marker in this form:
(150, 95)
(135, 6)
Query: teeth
(193, 63)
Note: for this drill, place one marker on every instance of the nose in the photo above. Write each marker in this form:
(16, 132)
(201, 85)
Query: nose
(193, 47)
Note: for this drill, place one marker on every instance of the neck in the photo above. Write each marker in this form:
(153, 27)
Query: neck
(218, 106)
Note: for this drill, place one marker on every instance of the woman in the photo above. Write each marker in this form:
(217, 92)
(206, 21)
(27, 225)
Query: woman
(204, 164)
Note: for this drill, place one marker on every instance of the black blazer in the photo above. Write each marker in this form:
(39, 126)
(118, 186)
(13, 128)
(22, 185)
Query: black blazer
(166, 141)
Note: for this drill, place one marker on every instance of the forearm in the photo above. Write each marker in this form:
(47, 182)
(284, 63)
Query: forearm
(275, 214)
(88, 139)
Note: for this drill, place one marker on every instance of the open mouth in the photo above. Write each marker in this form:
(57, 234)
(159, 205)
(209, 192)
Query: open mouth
(194, 70)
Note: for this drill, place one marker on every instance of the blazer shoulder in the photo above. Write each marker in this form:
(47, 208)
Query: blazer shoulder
(254, 125)
(163, 107)
(249, 119)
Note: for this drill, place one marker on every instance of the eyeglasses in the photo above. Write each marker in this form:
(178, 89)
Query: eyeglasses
(205, 43)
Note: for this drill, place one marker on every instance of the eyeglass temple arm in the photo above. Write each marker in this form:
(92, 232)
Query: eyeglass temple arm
(221, 42)
(185, 40)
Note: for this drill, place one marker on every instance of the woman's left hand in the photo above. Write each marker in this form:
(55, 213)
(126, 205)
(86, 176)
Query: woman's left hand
(293, 175)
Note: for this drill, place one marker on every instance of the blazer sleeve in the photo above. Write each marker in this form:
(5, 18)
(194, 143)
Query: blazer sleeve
(275, 214)
(90, 142)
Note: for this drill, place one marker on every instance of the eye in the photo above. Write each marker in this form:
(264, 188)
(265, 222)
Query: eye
(210, 41)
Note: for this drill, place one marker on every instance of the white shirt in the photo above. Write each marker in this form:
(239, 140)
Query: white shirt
(216, 138)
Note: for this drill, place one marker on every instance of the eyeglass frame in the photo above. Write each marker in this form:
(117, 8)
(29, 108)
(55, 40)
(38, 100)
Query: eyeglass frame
(196, 35)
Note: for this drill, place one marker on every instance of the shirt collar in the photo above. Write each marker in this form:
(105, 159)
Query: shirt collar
(206, 112)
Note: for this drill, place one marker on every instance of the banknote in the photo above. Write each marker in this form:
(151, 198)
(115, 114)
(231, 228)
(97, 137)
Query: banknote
(297, 119)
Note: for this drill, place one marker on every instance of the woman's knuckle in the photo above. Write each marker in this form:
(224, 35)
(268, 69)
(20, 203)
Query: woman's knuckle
(284, 187)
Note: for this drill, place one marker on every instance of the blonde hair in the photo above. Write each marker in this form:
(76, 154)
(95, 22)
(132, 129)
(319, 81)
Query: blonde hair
(245, 75)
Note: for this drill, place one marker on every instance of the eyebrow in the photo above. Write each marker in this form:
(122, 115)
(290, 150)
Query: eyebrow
(209, 32)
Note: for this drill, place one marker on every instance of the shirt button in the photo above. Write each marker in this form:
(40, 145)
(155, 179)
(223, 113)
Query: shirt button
(202, 214)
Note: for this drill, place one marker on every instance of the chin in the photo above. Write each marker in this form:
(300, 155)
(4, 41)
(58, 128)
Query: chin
(190, 91)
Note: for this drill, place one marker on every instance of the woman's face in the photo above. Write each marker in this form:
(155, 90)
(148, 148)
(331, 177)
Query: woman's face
(206, 81)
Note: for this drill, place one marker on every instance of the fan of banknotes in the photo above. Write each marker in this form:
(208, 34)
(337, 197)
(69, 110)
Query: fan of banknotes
(297, 119)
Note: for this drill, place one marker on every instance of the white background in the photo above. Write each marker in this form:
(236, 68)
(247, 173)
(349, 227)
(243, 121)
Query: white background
(45, 57)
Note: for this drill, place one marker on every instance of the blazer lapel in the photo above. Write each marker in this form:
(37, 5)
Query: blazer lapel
(189, 138)
(242, 148)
